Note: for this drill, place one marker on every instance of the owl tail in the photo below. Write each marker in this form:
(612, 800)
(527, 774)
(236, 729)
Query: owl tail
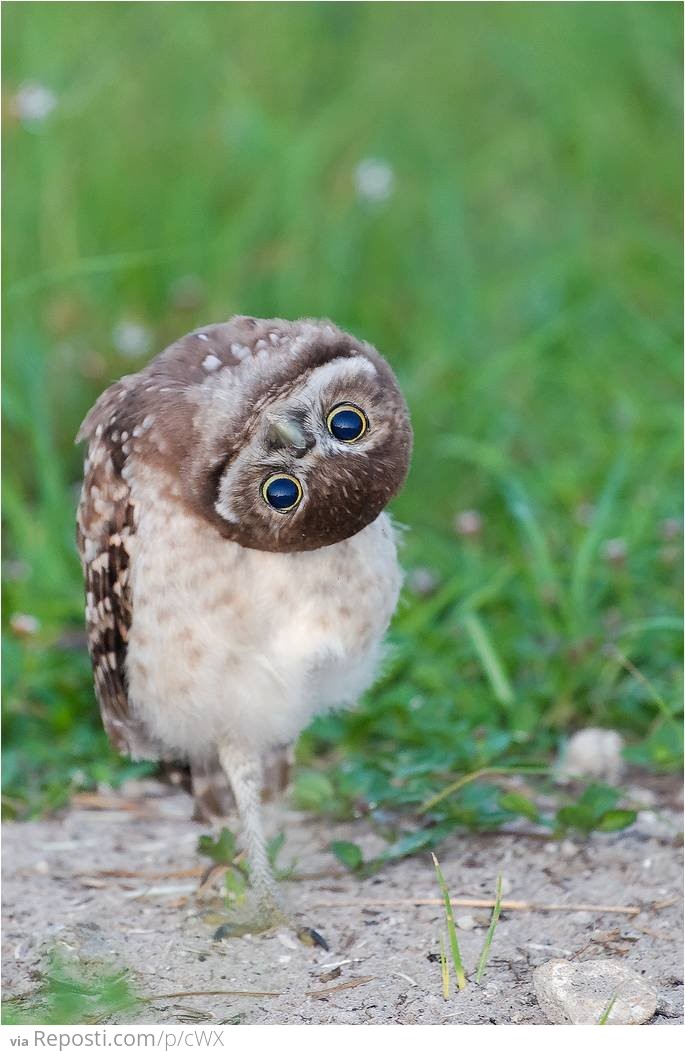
(207, 784)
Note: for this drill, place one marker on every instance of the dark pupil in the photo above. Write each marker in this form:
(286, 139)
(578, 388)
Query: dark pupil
(282, 494)
(346, 425)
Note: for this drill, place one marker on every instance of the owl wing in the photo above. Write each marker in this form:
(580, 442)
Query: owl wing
(105, 535)
(105, 532)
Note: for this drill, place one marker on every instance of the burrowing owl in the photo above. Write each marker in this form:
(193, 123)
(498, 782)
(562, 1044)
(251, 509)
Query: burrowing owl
(240, 571)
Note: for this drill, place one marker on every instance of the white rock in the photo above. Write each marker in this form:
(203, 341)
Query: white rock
(579, 993)
(466, 922)
(592, 753)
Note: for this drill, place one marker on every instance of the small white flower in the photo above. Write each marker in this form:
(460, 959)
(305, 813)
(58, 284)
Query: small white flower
(187, 292)
(33, 101)
(468, 523)
(584, 514)
(15, 570)
(422, 581)
(615, 551)
(374, 179)
(131, 339)
(671, 528)
(24, 624)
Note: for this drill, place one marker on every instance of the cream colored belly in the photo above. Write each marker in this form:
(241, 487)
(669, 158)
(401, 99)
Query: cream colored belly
(228, 643)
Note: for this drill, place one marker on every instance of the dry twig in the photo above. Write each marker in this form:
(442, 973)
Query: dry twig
(507, 904)
(349, 985)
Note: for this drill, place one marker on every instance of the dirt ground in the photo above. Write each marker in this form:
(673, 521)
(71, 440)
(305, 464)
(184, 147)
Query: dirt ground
(114, 880)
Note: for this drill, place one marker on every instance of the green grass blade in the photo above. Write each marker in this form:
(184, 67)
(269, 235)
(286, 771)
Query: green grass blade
(604, 1018)
(451, 928)
(600, 523)
(497, 909)
(444, 970)
(465, 779)
(489, 659)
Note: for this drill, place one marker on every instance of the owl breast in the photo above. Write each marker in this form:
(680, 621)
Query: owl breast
(231, 643)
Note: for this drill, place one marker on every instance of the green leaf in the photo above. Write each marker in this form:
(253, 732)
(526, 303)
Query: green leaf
(618, 818)
(519, 805)
(575, 818)
(312, 791)
(273, 850)
(222, 850)
(598, 799)
(274, 846)
(348, 853)
(235, 884)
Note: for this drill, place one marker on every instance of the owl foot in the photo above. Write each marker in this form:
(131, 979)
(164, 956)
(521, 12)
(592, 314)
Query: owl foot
(265, 918)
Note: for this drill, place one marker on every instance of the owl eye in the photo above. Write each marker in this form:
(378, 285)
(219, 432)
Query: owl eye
(347, 423)
(282, 492)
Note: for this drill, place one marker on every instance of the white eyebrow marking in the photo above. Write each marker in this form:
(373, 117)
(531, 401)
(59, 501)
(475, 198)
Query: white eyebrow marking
(211, 363)
(203, 336)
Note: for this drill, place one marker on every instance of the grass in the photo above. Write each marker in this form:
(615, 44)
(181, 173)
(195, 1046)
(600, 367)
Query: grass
(523, 277)
(485, 953)
(73, 992)
(453, 940)
(606, 1012)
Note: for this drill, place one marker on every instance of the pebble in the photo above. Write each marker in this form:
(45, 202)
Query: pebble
(592, 753)
(662, 826)
(467, 922)
(579, 993)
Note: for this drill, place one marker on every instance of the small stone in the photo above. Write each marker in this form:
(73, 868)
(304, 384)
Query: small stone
(641, 797)
(592, 753)
(580, 993)
(568, 849)
(660, 825)
(466, 922)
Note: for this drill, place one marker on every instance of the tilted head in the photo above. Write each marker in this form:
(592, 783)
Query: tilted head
(286, 436)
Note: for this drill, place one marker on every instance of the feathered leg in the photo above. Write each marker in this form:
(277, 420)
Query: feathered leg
(245, 773)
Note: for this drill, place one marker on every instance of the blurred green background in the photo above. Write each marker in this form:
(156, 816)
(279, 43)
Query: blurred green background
(491, 194)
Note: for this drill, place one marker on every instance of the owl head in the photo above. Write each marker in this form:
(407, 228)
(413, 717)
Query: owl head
(286, 436)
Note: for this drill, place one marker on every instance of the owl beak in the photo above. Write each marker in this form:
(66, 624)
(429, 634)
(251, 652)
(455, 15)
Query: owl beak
(286, 434)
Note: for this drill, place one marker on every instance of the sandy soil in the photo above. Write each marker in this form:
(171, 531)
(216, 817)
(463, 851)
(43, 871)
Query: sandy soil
(115, 880)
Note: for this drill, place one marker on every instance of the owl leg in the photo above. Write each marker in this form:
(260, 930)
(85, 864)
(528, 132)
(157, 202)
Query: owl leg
(245, 773)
